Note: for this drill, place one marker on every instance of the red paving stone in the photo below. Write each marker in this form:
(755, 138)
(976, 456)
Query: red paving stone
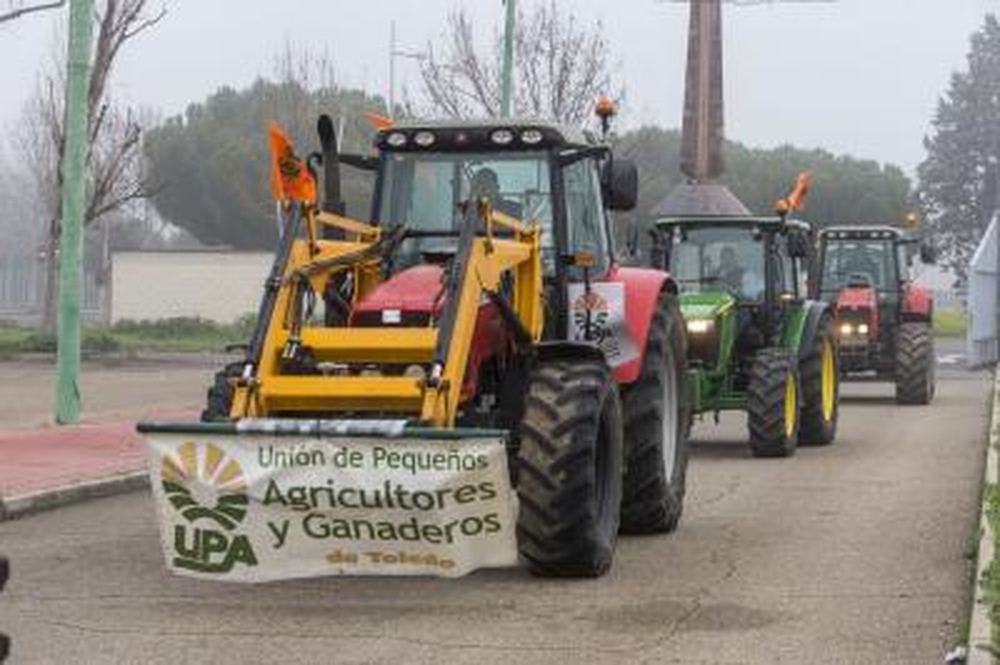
(38, 460)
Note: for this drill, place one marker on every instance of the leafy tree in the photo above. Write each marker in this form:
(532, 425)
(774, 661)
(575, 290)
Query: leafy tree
(845, 190)
(959, 187)
(212, 164)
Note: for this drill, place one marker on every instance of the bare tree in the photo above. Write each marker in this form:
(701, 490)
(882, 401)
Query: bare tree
(114, 162)
(17, 226)
(560, 69)
(19, 9)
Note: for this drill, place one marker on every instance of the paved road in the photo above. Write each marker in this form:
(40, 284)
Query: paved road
(108, 389)
(853, 553)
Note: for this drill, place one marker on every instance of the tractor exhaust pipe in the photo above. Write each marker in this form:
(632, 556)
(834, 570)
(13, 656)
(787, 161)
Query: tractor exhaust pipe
(333, 201)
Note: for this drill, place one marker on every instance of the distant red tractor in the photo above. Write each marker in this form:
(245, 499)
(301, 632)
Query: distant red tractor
(883, 320)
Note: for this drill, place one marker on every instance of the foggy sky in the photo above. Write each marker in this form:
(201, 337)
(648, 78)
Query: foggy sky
(851, 76)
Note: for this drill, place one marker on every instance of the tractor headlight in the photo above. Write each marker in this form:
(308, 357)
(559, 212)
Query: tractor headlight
(532, 136)
(846, 329)
(699, 326)
(424, 139)
(502, 137)
(863, 329)
(396, 139)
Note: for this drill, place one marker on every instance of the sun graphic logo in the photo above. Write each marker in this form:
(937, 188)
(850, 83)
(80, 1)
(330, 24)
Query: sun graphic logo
(204, 484)
(599, 311)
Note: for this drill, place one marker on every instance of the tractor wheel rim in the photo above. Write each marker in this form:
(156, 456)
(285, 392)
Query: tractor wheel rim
(671, 421)
(829, 379)
(791, 407)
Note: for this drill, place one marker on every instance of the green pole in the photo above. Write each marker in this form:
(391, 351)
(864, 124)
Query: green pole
(74, 166)
(508, 60)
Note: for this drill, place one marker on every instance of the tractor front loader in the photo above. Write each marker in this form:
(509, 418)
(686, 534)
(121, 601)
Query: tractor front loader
(481, 303)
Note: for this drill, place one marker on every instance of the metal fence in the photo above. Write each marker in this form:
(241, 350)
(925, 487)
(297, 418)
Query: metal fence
(22, 291)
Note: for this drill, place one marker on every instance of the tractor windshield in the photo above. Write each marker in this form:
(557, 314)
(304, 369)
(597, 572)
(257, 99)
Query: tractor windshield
(422, 192)
(719, 258)
(858, 262)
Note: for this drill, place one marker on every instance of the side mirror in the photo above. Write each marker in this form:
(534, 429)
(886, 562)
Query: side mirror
(621, 184)
(798, 245)
(928, 253)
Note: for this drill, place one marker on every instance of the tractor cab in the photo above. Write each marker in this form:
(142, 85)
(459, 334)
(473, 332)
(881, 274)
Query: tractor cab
(559, 178)
(736, 278)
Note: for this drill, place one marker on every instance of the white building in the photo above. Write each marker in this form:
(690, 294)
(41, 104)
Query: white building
(216, 285)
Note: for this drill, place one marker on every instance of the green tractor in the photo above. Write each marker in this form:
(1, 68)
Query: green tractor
(756, 343)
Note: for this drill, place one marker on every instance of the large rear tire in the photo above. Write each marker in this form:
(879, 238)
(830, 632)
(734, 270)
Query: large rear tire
(820, 378)
(657, 412)
(773, 404)
(914, 364)
(569, 472)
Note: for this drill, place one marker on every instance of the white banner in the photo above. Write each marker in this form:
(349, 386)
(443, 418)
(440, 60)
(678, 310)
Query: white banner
(259, 507)
(605, 306)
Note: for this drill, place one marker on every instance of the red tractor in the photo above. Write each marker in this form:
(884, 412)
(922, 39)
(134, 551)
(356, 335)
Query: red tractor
(883, 319)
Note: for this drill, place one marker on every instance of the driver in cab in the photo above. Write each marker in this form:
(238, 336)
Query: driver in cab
(485, 184)
(741, 281)
(730, 272)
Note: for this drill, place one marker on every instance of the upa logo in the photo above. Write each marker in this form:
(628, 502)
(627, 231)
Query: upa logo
(208, 489)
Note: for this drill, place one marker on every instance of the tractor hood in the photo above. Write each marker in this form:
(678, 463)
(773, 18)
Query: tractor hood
(705, 305)
(857, 297)
(412, 293)
(857, 316)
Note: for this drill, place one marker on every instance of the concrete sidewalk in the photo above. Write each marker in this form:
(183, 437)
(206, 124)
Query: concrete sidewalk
(50, 466)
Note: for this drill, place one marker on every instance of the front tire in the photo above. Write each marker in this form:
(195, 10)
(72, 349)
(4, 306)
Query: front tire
(219, 397)
(820, 379)
(657, 413)
(914, 364)
(773, 404)
(569, 472)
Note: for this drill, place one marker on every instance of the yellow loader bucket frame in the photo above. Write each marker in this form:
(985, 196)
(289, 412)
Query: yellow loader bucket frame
(491, 244)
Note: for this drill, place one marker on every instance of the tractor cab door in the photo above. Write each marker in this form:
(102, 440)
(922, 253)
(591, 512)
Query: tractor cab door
(585, 219)
(782, 285)
(587, 187)
(588, 303)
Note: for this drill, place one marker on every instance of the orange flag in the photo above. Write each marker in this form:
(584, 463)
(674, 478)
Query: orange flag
(378, 121)
(290, 179)
(797, 199)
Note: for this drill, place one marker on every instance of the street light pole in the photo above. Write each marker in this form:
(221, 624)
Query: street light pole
(74, 165)
(508, 59)
(393, 54)
(392, 69)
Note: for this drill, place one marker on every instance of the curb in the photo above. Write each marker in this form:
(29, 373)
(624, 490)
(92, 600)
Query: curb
(19, 506)
(980, 625)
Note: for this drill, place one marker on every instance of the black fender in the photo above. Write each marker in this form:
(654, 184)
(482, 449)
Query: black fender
(568, 350)
(815, 311)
